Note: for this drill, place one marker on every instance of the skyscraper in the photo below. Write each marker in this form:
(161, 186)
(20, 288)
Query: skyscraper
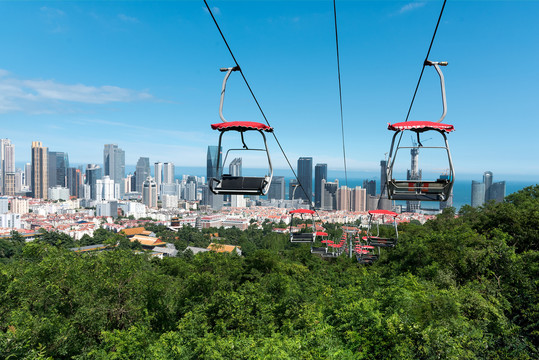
(168, 173)
(114, 165)
(487, 180)
(344, 198)
(277, 188)
(370, 187)
(8, 167)
(320, 173)
(235, 167)
(383, 178)
(358, 199)
(40, 176)
(74, 181)
(93, 173)
(58, 163)
(149, 193)
(497, 191)
(328, 199)
(215, 201)
(305, 177)
(478, 193)
(143, 171)
(158, 175)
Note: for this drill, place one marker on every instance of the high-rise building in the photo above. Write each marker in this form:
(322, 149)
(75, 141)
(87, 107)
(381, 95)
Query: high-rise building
(478, 193)
(158, 175)
(3, 144)
(149, 193)
(277, 188)
(93, 173)
(74, 181)
(105, 188)
(168, 173)
(358, 199)
(114, 165)
(383, 177)
(370, 187)
(215, 201)
(58, 163)
(328, 199)
(305, 177)
(344, 198)
(320, 173)
(235, 169)
(8, 167)
(143, 171)
(40, 176)
(497, 191)
(487, 180)
(28, 174)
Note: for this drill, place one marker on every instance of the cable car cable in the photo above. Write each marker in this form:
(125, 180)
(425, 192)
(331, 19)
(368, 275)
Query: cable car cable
(256, 101)
(340, 91)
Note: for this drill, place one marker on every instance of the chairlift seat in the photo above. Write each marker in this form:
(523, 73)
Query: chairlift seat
(302, 237)
(419, 190)
(229, 184)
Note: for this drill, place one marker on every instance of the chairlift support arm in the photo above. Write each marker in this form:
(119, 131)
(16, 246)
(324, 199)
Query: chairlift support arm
(228, 71)
(437, 65)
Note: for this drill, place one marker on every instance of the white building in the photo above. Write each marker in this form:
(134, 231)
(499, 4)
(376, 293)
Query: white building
(106, 189)
(12, 221)
(149, 193)
(58, 193)
(169, 201)
(19, 206)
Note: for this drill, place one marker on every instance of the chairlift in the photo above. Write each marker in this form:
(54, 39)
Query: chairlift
(377, 240)
(419, 189)
(323, 236)
(307, 237)
(227, 184)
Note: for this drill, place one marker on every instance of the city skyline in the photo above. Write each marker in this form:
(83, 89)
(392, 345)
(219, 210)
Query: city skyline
(122, 99)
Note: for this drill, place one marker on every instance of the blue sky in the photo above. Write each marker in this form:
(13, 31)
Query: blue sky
(144, 75)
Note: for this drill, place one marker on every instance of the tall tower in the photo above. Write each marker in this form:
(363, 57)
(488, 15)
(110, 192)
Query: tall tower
(40, 176)
(343, 198)
(370, 187)
(383, 177)
(478, 193)
(168, 173)
(8, 168)
(487, 180)
(143, 171)
(320, 173)
(158, 175)
(93, 173)
(58, 163)
(305, 176)
(413, 174)
(114, 165)
(235, 167)
(215, 201)
(277, 188)
(149, 193)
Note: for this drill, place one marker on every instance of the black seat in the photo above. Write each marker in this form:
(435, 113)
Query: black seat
(302, 237)
(240, 185)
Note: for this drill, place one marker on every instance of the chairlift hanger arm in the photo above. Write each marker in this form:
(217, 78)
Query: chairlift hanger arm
(437, 65)
(228, 71)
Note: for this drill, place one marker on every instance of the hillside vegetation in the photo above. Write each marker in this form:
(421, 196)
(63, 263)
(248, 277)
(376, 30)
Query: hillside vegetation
(462, 287)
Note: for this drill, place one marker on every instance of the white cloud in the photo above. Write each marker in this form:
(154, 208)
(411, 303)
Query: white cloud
(411, 6)
(128, 19)
(42, 96)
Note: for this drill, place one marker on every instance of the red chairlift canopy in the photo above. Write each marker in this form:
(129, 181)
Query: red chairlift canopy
(241, 126)
(319, 233)
(302, 211)
(420, 126)
(382, 212)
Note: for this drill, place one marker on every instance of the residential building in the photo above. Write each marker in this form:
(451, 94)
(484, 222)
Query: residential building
(168, 173)
(158, 175)
(149, 193)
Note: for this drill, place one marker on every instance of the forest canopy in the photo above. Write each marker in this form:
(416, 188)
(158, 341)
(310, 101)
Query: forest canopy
(462, 286)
